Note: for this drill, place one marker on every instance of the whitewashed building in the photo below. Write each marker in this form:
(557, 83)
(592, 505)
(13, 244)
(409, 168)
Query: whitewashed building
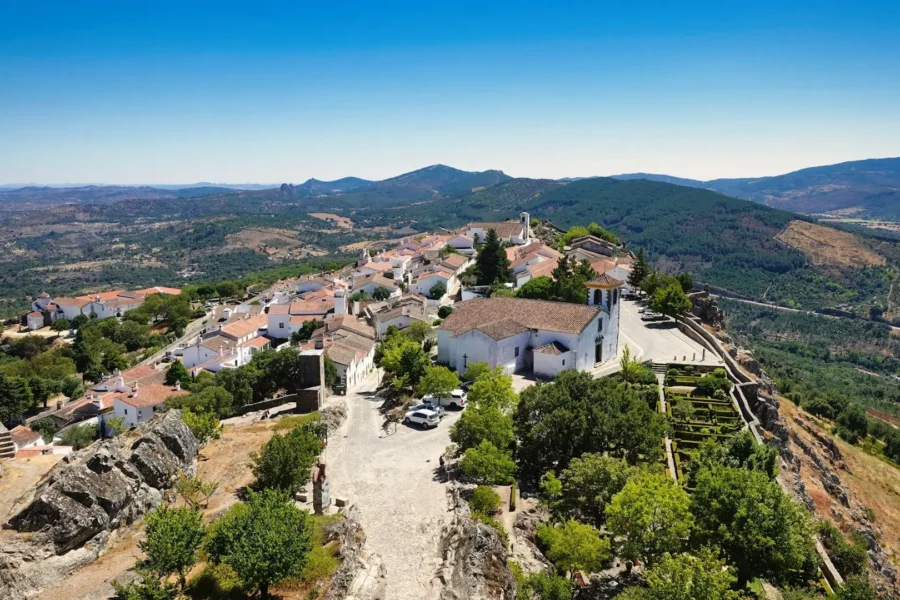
(514, 334)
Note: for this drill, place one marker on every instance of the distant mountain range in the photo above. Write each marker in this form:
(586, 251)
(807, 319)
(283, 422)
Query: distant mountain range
(856, 188)
(865, 188)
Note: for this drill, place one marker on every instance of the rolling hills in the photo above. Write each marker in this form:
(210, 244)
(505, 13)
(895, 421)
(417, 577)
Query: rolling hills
(863, 188)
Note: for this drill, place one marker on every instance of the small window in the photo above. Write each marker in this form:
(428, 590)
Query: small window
(517, 352)
(126, 411)
(281, 325)
(564, 362)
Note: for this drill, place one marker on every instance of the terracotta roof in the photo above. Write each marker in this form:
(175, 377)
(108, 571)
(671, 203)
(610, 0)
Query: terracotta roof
(380, 280)
(160, 289)
(543, 269)
(35, 314)
(504, 230)
(602, 265)
(318, 306)
(350, 323)
(301, 319)
(502, 329)
(217, 342)
(30, 452)
(257, 342)
(552, 348)
(349, 348)
(22, 434)
(455, 261)
(124, 301)
(244, 327)
(531, 314)
(436, 272)
(78, 302)
(103, 295)
(152, 395)
(280, 309)
(604, 281)
(142, 374)
(378, 266)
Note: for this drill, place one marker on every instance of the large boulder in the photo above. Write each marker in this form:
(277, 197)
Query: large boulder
(109, 484)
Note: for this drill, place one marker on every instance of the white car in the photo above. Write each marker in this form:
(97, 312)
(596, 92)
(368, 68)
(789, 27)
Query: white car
(424, 417)
(456, 399)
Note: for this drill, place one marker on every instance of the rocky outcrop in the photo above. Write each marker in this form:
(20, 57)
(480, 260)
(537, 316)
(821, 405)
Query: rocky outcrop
(90, 493)
(361, 575)
(707, 308)
(474, 563)
(333, 415)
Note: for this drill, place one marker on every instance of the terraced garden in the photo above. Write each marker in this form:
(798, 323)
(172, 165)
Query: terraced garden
(699, 408)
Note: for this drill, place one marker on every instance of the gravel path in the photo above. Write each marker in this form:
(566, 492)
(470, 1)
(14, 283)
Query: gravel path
(393, 482)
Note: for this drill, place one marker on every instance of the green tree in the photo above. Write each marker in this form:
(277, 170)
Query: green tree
(651, 515)
(212, 399)
(16, 398)
(761, 530)
(149, 588)
(670, 300)
(576, 231)
(493, 389)
(702, 576)
(475, 370)
(543, 586)
(227, 289)
(686, 280)
(850, 559)
(331, 373)
(438, 381)
(491, 265)
(488, 464)
(569, 281)
(853, 419)
(740, 451)
(59, 326)
(116, 425)
(480, 423)
(381, 293)
(445, 311)
(574, 546)
(178, 373)
(46, 427)
(856, 588)
(484, 500)
(539, 288)
(639, 270)
(437, 291)
(173, 536)
(604, 234)
(556, 422)
(588, 484)
(285, 461)
(240, 383)
(79, 436)
(204, 425)
(263, 540)
(307, 328)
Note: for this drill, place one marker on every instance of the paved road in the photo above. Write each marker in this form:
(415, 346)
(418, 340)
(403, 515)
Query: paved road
(393, 482)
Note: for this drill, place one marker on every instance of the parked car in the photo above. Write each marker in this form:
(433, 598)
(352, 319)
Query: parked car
(456, 399)
(424, 417)
(427, 405)
(649, 315)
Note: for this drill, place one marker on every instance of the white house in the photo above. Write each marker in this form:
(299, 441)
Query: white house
(463, 244)
(430, 277)
(72, 307)
(399, 313)
(512, 232)
(23, 437)
(510, 332)
(285, 319)
(605, 292)
(531, 261)
(34, 320)
(138, 405)
(370, 283)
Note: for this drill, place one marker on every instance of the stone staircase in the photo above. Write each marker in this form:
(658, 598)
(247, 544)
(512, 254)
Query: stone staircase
(7, 449)
(659, 368)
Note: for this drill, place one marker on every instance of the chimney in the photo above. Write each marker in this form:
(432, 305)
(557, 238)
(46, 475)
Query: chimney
(177, 385)
(320, 343)
(134, 391)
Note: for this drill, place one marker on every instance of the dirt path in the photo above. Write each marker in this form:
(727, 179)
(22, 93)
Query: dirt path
(393, 482)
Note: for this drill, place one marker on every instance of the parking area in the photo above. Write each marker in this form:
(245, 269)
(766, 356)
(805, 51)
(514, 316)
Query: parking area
(393, 479)
(659, 341)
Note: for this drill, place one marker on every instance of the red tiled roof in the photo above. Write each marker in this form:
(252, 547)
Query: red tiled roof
(22, 434)
(244, 327)
(552, 348)
(103, 295)
(504, 230)
(543, 269)
(151, 395)
(78, 302)
(604, 281)
(531, 314)
(160, 289)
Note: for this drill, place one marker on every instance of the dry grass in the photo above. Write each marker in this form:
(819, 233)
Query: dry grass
(872, 481)
(825, 246)
(338, 220)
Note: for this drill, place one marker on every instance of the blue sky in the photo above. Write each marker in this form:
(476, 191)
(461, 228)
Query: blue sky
(160, 92)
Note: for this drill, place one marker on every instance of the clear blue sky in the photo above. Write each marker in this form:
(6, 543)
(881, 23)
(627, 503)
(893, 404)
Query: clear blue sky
(160, 92)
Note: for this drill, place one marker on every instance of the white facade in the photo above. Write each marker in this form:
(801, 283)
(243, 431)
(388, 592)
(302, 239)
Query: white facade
(34, 321)
(353, 374)
(610, 301)
(279, 325)
(516, 353)
(134, 415)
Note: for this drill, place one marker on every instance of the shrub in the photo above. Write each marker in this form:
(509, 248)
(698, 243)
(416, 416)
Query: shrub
(484, 500)
(850, 559)
(488, 464)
